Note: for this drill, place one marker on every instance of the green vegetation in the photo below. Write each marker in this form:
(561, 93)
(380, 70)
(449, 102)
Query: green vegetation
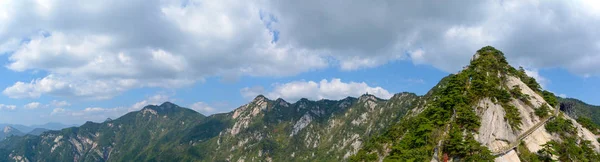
(529, 81)
(512, 116)
(516, 93)
(550, 98)
(576, 109)
(561, 126)
(587, 123)
(571, 147)
(459, 94)
(542, 111)
(527, 156)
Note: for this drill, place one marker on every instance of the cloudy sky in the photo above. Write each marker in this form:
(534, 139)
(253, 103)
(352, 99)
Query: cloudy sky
(74, 61)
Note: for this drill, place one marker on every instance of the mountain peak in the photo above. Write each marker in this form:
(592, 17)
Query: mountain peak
(166, 107)
(488, 58)
(259, 98)
(9, 129)
(366, 97)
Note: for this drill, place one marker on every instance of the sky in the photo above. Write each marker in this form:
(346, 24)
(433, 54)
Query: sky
(76, 61)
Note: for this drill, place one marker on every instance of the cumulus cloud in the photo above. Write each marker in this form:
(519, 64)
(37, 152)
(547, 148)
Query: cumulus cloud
(334, 89)
(32, 105)
(531, 33)
(91, 50)
(7, 107)
(52, 104)
(56, 103)
(69, 87)
(57, 111)
(202, 107)
(163, 44)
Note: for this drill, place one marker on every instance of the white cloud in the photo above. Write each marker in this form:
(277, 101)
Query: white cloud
(57, 111)
(202, 107)
(56, 103)
(528, 32)
(32, 105)
(188, 43)
(7, 107)
(67, 87)
(87, 52)
(334, 89)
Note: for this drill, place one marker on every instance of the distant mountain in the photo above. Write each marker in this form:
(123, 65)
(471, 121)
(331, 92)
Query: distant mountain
(488, 111)
(53, 126)
(49, 126)
(38, 131)
(19, 127)
(8, 131)
(576, 108)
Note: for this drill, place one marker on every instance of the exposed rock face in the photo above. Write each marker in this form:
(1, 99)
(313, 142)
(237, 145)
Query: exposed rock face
(508, 157)
(569, 109)
(494, 132)
(300, 124)
(539, 137)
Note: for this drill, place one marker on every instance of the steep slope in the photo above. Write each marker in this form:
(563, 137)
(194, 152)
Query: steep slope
(484, 113)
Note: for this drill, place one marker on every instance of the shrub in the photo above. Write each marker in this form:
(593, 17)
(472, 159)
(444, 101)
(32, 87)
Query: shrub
(542, 111)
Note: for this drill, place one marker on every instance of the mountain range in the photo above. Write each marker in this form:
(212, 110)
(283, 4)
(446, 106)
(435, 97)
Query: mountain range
(48, 126)
(20, 130)
(488, 111)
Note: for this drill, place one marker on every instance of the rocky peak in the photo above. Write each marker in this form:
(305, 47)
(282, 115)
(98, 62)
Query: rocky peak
(367, 97)
(402, 95)
(8, 129)
(260, 98)
(166, 107)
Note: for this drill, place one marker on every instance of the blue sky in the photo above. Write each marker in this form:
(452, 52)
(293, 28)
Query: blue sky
(71, 62)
